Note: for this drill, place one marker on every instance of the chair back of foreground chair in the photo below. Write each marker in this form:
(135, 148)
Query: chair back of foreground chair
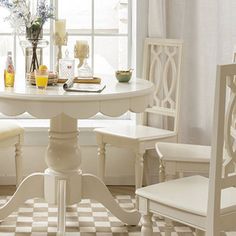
(223, 157)
(208, 205)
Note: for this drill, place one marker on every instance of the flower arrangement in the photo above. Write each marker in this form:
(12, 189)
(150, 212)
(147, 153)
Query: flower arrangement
(22, 19)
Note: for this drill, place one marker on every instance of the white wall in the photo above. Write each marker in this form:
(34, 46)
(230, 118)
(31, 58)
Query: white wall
(120, 162)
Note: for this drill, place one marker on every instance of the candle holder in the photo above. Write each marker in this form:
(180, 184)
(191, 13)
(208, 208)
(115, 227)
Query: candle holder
(59, 42)
(81, 51)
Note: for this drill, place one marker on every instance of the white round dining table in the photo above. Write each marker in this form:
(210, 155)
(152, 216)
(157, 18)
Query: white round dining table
(63, 182)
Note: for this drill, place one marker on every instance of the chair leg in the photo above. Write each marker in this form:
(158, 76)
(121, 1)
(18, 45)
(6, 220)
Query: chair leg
(161, 171)
(18, 164)
(146, 229)
(146, 170)
(139, 170)
(168, 227)
(101, 161)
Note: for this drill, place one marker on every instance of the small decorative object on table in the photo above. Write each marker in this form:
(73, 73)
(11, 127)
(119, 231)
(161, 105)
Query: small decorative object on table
(124, 75)
(81, 51)
(60, 39)
(9, 72)
(94, 80)
(66, 67)
(52, 78)
(41, 77)
(31, 19)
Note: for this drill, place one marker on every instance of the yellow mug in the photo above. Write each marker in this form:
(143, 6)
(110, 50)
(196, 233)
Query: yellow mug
(41, 78)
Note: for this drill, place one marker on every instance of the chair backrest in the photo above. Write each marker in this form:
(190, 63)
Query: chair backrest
(223, 156)
(161, 65)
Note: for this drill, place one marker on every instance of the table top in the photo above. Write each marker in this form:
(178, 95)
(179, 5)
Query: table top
(114, 100)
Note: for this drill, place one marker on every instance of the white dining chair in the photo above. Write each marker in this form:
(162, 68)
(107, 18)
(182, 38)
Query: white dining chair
(11, 134)
(176, 159)
(207, 204)
(161, 65)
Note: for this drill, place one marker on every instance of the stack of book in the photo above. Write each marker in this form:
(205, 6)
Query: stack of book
(93, 80)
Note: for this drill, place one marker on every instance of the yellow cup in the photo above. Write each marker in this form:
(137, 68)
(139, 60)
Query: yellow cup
(9, 79)
(41, 78)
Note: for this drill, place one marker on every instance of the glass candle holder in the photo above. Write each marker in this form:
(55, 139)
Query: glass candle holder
(81, 51)
(66, 67)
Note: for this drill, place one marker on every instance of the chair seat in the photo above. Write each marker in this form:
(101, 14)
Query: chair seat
(189, 194)
(138, 132)
(183, 152)
(9, 129)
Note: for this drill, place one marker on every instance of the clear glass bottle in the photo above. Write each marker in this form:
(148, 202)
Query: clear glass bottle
(85, 71)
(9, 72)
(66, 67)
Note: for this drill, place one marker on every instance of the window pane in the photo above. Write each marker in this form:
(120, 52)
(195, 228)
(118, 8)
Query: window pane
(20, 59)
(46, 53)
(110, 54)
(5, 26)
(78, 13)
(111, 16)
(6, 43)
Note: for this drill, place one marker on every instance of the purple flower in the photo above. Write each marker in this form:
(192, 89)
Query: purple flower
(6, 3)
(44, 11)
(20, 16)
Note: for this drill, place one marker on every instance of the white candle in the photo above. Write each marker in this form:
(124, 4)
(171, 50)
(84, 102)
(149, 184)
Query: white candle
(60, 28)
(82, 48)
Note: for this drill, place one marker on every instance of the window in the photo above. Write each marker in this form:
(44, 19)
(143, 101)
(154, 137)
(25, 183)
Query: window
(105, 24)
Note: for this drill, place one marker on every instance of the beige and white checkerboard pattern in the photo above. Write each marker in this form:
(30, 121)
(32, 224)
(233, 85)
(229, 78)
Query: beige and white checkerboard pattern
(38, 218)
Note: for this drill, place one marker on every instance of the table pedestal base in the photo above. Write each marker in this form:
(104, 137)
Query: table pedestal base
(63, 182)
(38, 184)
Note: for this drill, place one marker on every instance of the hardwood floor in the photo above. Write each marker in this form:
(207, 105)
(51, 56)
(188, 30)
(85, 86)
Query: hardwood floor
(8, 190)
(122, 190)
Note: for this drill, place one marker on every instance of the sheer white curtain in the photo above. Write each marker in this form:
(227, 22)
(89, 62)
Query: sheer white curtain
(208, 29)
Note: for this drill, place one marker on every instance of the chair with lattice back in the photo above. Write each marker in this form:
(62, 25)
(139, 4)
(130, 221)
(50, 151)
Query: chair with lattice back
(209, 205)
(176, 159)
(161, 65)
(11, 135)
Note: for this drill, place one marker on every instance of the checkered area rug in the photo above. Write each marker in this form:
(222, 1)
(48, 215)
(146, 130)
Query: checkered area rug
(38, 218)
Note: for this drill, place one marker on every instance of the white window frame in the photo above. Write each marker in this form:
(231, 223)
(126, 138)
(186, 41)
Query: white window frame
(93, 34)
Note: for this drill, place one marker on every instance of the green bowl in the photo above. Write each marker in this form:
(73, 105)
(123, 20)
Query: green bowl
(123, 76)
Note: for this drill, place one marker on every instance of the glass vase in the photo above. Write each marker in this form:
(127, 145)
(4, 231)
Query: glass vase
(33, 55)
(33, 59)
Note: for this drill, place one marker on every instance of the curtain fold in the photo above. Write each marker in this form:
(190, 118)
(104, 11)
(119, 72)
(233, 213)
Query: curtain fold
(208, 29)
(157, 18)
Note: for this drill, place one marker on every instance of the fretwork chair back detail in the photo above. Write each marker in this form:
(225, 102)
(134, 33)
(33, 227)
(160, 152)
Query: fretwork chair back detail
(177, 158)
(11, 135)
(208, 205)
(161, 65)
